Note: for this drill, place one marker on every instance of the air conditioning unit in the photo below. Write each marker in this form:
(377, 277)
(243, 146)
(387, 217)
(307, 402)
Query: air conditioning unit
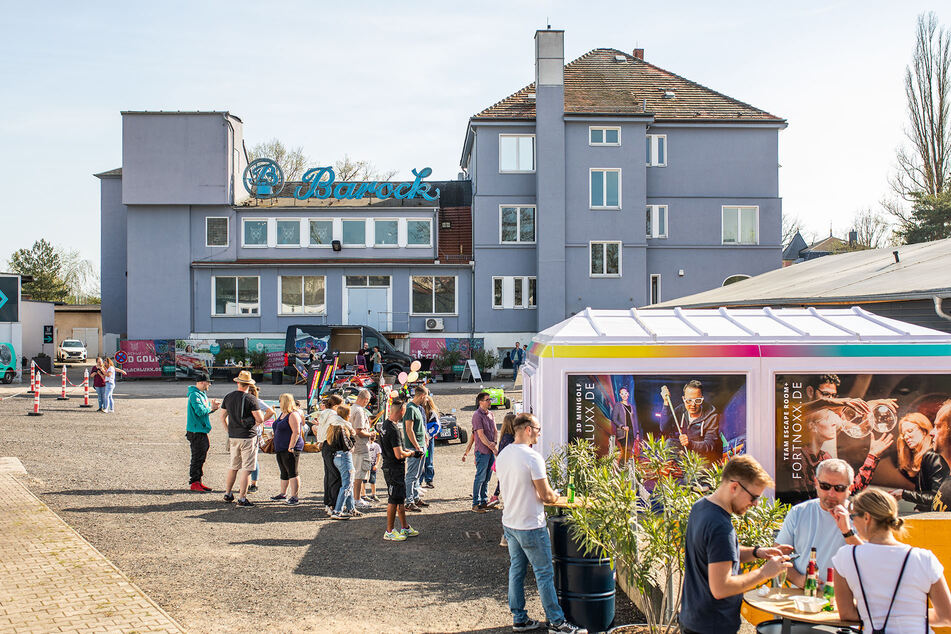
(434, 323)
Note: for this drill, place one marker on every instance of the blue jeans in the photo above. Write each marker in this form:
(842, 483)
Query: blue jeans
(515, 367)
(428, 472)
(531, 547)
(110, 404)
(414, 466)
(480, 486)
(343, 460)
(100, 392)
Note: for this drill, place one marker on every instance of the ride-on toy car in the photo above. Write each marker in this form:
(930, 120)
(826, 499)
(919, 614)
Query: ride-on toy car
(497, 395)
(449, 430)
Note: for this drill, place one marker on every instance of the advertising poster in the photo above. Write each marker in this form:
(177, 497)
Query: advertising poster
(193, 356)
(274, 349)
(705, 413)
(429, 347)
(148, 358)
(886, 426)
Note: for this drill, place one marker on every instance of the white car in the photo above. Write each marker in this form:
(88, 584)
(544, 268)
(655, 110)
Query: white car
(71, 350)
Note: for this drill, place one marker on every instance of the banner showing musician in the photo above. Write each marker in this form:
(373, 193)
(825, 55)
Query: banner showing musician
(692, 424)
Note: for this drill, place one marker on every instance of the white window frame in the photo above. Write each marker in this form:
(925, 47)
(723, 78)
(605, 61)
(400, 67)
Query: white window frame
(267, 233)
(604, 188)
(739, 224)
(311, 245)
(655, 212)
(455, 299)
(355, 244)
(743, 275)
(603, 130)
(603, 244)
(227, 232)
(214, 284)
(652, 139)
(534, 154)
(277, 233)
(429, 221)
(280, 291)
(518, 224)
(395, 245)
(650, 289)
(508, 292)
(501, 304)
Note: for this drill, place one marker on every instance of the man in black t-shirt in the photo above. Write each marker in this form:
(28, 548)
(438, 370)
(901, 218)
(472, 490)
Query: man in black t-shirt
(240, 414)
(394, 471)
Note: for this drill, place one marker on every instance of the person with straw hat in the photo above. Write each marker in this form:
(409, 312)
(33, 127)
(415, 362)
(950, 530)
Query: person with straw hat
(240, 415)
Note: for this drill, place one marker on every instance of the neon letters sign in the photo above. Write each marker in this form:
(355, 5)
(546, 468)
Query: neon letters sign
(263, 179)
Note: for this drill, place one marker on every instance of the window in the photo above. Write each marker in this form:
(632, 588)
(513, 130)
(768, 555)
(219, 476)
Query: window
(605, 189)
(733, 279)
(288, 233)
(419, 233)
(655, 289)
(656, 150)
(604, 136)
(235, 296)
(517, 224)
(513, 292)
(740, 225)
(302, 295)
(387, 232)
(516, 152)
(433, 295)
(216, 232)
(605, 259)
(355, 233)
(321, 233)
(368, 280)
(255, 232)
(656, 221)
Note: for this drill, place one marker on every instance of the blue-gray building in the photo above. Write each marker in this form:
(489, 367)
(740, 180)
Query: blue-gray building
(608, 183)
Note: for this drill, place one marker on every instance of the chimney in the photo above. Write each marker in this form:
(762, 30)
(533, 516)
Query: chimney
(853, 237)
(639, 53)
(549, 58)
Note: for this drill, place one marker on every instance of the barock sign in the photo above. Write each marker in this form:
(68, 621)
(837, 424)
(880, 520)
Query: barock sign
(263, 178)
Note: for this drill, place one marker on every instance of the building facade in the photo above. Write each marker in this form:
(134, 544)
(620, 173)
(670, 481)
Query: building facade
(608, 183)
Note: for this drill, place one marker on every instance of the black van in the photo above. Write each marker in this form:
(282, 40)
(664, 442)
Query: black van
(347, 340)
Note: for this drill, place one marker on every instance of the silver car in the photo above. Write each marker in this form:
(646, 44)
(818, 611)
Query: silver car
(71, 350)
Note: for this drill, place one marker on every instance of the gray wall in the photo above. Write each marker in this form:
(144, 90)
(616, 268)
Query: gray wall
(113, 249)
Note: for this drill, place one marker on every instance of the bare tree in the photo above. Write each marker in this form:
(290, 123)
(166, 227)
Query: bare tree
(925, 167)
(872, 229)
(791, 226)
(80, 276)
(293, 162)
(348, 170)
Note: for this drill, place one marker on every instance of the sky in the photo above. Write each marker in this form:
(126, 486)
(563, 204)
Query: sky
(395, 83)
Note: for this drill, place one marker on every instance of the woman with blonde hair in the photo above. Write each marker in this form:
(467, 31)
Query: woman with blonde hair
(892, 581)
(288, 445)
(918, 461)
(340, 438)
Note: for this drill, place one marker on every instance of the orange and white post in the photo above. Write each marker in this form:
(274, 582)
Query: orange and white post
(36, 396)
(62, 396)
(85, 389)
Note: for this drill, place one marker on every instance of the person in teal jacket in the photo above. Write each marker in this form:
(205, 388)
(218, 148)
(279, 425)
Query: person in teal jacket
(197, 426)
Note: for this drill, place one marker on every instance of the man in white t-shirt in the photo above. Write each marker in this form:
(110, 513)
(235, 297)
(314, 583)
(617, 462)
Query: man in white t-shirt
(360, 421)
(525, 488)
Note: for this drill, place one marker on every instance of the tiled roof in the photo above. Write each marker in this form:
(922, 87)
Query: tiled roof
(597, 83)
(110, 173)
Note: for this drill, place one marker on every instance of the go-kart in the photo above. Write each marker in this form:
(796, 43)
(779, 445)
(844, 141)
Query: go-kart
(497, 395)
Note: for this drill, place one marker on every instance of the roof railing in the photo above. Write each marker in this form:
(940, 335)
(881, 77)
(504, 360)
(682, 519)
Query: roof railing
(736, 322)
(822, 318)
(679, 313)
(640, 322)
(594, 322)
(772, 315)
(877, 320)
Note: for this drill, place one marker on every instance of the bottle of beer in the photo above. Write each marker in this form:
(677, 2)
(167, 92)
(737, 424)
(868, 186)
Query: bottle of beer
(829, 592)
(571, 488)
(812, 576)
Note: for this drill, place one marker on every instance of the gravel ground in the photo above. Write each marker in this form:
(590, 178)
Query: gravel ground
(121, 481)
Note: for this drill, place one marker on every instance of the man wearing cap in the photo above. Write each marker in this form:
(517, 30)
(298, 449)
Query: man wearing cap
(197, 427)
(240, 415)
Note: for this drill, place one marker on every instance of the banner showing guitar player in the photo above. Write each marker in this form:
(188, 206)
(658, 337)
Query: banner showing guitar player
(702, 413)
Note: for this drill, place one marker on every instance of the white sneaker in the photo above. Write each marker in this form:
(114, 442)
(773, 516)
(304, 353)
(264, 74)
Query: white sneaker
(363, 505)
(329, 510)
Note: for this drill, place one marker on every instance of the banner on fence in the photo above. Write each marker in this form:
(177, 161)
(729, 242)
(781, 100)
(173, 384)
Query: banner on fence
(148, 357)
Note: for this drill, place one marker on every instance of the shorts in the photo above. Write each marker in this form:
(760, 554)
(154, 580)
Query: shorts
(361, 466)
(244, 453)
(395, 486)
(372, 479)
(287, 462)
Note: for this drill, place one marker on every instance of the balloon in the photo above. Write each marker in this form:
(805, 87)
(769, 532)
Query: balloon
(412, 376)
(401, 378)
(415, 366)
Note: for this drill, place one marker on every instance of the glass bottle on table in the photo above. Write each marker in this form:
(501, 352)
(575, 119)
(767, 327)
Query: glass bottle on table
(571, 488)
(828, 592)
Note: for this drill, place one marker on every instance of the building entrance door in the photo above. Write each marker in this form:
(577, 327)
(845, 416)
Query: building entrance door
(367, 307)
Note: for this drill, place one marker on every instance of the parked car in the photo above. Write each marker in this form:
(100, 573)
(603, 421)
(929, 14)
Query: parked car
(71, 350)
(8, 363)
(347, 340)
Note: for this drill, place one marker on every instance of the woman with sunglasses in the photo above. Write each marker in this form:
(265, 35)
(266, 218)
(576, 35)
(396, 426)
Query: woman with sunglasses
(919, 462)
(884, 582)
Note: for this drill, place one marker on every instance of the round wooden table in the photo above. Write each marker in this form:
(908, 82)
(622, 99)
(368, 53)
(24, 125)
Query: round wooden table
(779, 602)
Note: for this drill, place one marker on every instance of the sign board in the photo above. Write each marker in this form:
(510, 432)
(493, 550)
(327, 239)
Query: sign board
(47, 334)
(9, 298)
(471, 370)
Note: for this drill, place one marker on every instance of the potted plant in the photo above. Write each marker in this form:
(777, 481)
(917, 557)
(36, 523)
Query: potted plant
(445, 359)
(257, 360)
(486, 360)
(636, 515)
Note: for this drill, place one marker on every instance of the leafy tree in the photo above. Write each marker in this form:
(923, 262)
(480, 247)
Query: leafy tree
(44, 265)
(929, 219)
(293, 161)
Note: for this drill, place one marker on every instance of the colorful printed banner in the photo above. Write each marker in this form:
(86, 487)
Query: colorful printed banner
(430, 347)
(148, 357)
(274, 349)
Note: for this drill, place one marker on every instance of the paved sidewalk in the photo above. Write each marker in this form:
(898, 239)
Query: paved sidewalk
(55, 581)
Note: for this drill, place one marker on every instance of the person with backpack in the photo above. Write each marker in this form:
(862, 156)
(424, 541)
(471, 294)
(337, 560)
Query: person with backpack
(884, 582)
